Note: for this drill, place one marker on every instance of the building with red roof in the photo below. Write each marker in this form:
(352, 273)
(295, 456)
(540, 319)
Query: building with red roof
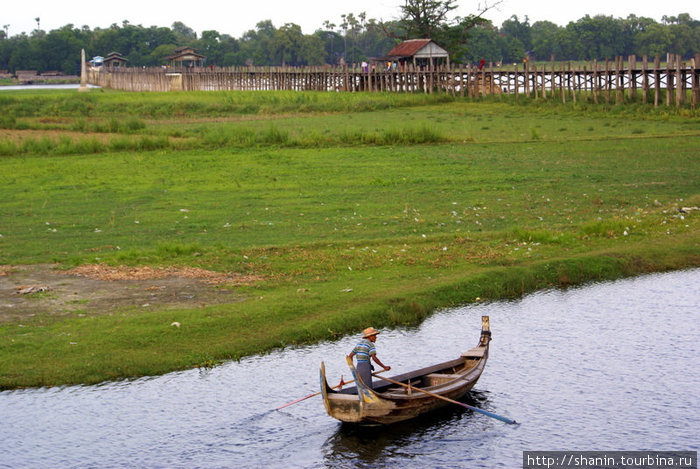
(420, 52)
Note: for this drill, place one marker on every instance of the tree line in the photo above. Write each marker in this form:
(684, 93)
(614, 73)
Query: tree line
(355, 38)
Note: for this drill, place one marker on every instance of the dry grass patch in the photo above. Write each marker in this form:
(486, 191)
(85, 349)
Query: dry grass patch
(17, 136)
(111, 273)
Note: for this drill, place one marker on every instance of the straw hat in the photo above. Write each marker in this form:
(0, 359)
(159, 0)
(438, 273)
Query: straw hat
(369, 332)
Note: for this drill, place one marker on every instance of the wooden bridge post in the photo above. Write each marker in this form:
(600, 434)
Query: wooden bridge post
(608, 81)
(543, 82)
(680, 82)
(431, 78)
(563, 85)
(657, 80)
(471, 80)
(526, 77)
(595, 84)
(632, 60)
(619, 86)
(670, 85)
(552, 78)
(695, 80)
(645, 79)
(481, 85)
(573, 78)
(409, 78)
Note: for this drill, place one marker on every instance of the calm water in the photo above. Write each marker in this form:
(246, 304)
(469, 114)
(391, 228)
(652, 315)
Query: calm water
(609, 366)
(67, 86)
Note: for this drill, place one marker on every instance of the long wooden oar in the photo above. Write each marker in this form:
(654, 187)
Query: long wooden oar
(475, 409)
(342, 383)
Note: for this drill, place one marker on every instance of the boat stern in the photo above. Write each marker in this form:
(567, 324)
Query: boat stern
(362, 407)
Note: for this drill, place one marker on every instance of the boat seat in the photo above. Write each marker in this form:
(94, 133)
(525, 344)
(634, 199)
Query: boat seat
(477, 352)
(396, 389)
(443, 376)
(435, 379)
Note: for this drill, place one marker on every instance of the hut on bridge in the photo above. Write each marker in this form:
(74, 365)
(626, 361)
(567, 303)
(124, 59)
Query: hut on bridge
(186, 57)
(114, 60)
(424, 53)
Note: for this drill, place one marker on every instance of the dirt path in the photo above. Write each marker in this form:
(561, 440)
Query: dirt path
(29, 290)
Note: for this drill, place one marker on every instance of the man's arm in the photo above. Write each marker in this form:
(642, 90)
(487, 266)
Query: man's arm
(379, 362)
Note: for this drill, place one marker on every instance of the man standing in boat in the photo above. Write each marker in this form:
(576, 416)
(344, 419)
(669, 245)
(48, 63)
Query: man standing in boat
(365, 350)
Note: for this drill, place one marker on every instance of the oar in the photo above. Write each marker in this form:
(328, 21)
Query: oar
(319, 392)
(476, 409)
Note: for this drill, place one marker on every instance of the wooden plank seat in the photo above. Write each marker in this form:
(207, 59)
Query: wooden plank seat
(477, 352)
(435, 379)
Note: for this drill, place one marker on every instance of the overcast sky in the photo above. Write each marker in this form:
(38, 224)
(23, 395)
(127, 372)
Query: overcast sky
(234, 17)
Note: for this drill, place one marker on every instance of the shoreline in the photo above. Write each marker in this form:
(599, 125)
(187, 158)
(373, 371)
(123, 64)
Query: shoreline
(489, 285)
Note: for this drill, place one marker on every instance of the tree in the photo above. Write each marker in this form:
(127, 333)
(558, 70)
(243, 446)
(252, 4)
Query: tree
(184, 33)
(286, 45)
(544, 43)
(210, 46)
(158, 55)
(312, 51)
(256, 45)
(229, 47)
(512, 49)
(684, 39)
(25, 54)
(598, 37)
(484, 44)
(332, 41)
(520, 31)
(471, 38)
(425, 18)
(432, 19)
(361, 38)
(62, 49)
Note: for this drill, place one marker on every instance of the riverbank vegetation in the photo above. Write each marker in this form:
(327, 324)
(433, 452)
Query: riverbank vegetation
(346, 209)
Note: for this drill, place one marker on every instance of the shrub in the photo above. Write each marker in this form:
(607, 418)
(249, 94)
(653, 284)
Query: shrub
(134, 125)
(7, 122)
(8, 147)
(273, 136)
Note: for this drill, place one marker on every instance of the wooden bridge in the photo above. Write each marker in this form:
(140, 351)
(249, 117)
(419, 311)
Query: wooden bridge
(674, 83)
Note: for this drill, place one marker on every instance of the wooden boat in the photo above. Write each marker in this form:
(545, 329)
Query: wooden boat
(395, 399)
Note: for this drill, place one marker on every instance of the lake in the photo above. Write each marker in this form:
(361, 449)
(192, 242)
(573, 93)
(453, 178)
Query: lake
(609, 366)
(61, 86)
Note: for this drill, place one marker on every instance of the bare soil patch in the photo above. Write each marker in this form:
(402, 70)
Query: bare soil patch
(54, 134)
(30, 290)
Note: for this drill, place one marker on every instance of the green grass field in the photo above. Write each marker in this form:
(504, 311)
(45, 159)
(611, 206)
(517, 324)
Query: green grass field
(355, 209)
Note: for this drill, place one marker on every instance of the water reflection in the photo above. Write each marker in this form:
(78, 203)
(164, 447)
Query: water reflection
(358, 446)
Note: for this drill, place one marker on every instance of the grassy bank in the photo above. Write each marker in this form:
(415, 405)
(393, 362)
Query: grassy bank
(352, 209)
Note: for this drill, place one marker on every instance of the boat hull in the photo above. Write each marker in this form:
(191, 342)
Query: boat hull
(386, 402)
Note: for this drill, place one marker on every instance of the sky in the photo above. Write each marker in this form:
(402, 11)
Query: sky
(235, 17)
